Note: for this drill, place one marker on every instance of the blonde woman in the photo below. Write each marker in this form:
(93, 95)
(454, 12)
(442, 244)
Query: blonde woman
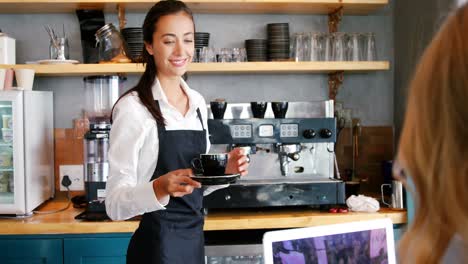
(433, 151)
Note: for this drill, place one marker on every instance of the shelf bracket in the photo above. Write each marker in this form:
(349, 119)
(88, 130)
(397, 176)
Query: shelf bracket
(121, 13)
(334, 19)
(335, 80)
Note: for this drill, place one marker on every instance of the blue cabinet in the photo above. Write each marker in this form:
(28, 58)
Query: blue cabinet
(31, 251)
(95, 250)
(64, 249)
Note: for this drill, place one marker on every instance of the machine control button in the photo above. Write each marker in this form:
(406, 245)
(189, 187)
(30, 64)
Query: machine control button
(265, 131)
(309, 133)
(325, 133)
(289, 130)
(241, 131)
(227, 197)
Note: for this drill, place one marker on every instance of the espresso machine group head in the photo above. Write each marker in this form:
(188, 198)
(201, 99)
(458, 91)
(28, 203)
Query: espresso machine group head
(291, 158)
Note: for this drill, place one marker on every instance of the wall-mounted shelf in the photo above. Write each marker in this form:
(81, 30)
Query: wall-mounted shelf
(352, 7)
(210, 68)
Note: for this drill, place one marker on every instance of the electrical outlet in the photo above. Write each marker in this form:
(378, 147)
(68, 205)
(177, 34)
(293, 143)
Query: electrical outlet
(76, 175)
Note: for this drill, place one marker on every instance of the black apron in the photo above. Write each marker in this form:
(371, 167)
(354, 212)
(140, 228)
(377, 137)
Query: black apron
(174, 235)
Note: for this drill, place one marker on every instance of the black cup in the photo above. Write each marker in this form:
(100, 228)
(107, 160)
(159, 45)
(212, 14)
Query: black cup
(218, 108)
(210, 164)
(279, 109)
(258, 109)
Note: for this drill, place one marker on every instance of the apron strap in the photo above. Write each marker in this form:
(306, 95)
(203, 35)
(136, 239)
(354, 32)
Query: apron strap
(200, 118)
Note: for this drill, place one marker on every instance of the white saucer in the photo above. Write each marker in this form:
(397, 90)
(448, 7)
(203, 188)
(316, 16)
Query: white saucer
(58, 62)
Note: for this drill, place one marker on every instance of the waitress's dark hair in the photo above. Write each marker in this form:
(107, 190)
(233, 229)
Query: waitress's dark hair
(143, 88)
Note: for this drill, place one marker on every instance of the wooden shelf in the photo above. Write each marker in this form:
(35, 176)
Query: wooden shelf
(352, 7)
(209, 68)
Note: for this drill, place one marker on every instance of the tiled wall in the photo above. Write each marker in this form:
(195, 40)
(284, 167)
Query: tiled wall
(374, 146)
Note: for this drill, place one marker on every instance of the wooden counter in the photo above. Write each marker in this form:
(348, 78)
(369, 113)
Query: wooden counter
(64, 222)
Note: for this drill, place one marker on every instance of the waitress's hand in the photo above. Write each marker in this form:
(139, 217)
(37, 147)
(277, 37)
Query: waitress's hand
(175, 183)
(237, 162)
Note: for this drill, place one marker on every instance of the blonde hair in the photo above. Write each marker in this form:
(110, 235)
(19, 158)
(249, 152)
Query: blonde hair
(434, 144)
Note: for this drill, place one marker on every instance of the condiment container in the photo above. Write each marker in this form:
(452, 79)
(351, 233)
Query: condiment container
(7, 49)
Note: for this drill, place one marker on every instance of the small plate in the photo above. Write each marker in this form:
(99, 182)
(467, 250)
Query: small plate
(58, 62)
(216, 180)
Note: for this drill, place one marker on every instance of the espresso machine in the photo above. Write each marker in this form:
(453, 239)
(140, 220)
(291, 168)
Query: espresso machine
(291, 156)
(101, 93)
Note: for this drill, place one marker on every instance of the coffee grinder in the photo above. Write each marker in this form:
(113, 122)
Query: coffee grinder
(101, 93)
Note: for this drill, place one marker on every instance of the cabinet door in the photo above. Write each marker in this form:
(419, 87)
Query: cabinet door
(31, 251)
(96, 250)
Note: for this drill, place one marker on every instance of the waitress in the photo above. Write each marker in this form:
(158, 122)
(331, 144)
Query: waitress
(158, 127)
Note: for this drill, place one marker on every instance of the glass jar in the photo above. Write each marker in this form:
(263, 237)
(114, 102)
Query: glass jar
(111, 45)
(59, 50)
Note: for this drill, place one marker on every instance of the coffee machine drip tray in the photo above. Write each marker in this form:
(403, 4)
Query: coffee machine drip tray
(287, 192)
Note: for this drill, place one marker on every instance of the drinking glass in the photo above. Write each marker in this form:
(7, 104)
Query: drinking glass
(355, 47)
(339, 46)
(370, 49)
(208, 55)
(300, 47)
(327, 44)
(243, 54)
(59, 50)
(225, 55)
(315, 47)
(196, 55)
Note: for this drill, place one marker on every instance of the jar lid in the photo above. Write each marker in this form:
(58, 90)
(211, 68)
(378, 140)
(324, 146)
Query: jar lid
(105, 29)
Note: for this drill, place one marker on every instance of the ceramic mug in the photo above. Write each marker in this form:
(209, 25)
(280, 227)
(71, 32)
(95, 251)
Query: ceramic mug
(210, 164)
(397, 195)
(24, 78)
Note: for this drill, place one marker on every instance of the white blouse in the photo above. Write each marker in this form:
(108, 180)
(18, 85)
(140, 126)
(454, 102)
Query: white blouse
(134, 149)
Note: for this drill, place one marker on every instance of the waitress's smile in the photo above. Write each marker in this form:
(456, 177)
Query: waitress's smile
(178, 62)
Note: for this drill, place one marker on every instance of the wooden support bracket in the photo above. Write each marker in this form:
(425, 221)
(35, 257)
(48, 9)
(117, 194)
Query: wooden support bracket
(334, 19)
(335, 80)
(122, 20)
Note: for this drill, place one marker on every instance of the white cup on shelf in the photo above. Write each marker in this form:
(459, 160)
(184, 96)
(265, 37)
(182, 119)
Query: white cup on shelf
(24, 79)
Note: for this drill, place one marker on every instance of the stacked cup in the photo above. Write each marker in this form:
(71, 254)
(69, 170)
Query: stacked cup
(24, 79)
